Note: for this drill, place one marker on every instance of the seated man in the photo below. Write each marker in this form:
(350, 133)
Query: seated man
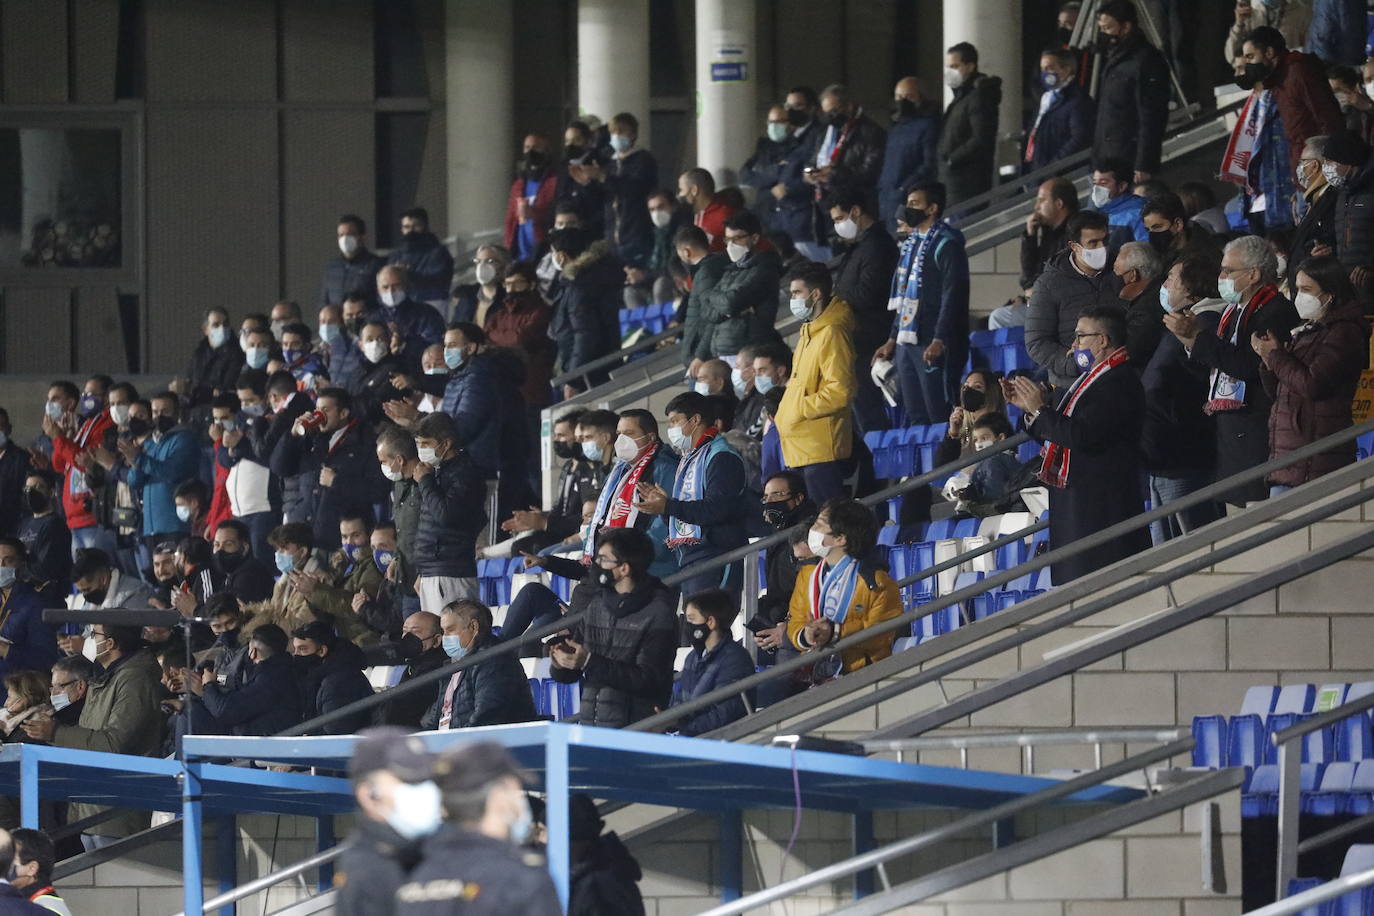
(421, 650)
(246, 577)
(269, 698)
(844, 593)
(493, 692)
(352, 571)
(294, 543)
(716, 660)
(332, 676)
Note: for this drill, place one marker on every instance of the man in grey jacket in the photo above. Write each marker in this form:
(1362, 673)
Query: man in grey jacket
(1074, 280)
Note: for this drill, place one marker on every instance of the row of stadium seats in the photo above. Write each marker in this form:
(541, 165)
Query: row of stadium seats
(1358, 858)
(650, 318)
(1243, 740)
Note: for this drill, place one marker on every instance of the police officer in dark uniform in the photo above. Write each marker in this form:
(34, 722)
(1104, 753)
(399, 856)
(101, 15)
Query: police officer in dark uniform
(393, 781)
(474, 865)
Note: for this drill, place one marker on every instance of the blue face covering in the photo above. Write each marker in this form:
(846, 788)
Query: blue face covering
(454, 357)
(1083, 359)
(329, 332)
(591, 451)
(453, 648)
(382, 558)
(1164, 299)
(285, 562)
(351, 551)
(763, 383)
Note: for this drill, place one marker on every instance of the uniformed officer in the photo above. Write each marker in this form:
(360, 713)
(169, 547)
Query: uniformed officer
(393, 781)
(474, 864)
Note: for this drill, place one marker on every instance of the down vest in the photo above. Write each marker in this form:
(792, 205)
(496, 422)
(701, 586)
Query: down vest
(1312, 382)
(632, 639)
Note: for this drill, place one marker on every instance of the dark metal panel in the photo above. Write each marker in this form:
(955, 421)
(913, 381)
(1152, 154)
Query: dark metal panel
(98, 336)
(38, 329)
(328, 169)
(212, 221)
(809, 39)
(208, 50)
(869, 53)
(327, 50)
(33, 48)
(95, 50)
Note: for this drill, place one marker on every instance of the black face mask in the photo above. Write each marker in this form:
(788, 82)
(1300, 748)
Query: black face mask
(838, 119)
(1107, 42)
(775, 517)
(307, 663)
(37, 500)
(1254, 75)
(534, 162)
(410, 646)
(228, 638)
(796, 117)
(354, 326)
(566, 450)
(605, 578)
(165, 424)
(913, 217)
(1064, 34)
(95, 596)
(574, 151)
(972, 398)
(138, 427)
(1160, 241)
(227, 562)
(697, 634)
(903, 108)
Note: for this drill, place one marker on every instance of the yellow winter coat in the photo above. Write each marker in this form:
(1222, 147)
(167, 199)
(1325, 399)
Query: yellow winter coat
(814, 421)
(876, 598)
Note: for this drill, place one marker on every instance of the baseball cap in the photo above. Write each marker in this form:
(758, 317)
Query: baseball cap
(393, 749)
(471, 767)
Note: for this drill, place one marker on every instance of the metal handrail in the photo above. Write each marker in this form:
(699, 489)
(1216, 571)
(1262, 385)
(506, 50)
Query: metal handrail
(1290, 781)
(1058, 737)
(1291, 906)
(878, 857)
(618, 357)
(1058, 554)
(263, 882)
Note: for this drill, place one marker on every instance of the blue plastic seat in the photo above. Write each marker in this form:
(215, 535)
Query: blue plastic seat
(1245, 741)
(1002, 336)
(1026, 451)
(965, 528)
(1261, 797)
(1317, 746)
(1332, 794)
(982, 339)
(888, 454)
(1361, 799)
(1359, 857)
(1259, 701)
(1209, 733)
(1364, 445)
(1358, 691)
(1353, 739)
(940, 529)
(1298, 885)
(887, 535)
(1295, 698)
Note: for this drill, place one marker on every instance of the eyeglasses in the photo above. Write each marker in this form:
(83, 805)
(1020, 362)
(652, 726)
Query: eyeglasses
(1082, 336)
(776, 498)
(64, 685)
(1227, 271)
(607, 562)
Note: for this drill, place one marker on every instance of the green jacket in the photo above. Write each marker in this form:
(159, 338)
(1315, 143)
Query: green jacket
(121, 716)
(706, 273)
(742, 307)
(337, 599)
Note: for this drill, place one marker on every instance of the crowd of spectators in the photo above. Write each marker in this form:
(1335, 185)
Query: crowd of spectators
(314, 500)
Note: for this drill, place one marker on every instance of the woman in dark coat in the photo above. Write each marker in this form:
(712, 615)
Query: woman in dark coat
(1313, 377)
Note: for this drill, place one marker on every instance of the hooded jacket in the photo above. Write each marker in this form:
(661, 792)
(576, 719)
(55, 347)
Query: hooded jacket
(1313, 381)
(706, 274)
(814, 420)
(632, 639)
(428, 264)
(1057, 299)
(968, 142)
(586, 315)
(333, 684)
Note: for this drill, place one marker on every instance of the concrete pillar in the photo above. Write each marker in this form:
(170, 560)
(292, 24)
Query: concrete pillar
(994, 28)
(727, 81)
(613, 60)
(479, 86)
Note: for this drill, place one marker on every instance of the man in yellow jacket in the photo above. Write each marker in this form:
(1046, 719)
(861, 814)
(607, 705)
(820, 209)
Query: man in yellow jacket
(815, 418)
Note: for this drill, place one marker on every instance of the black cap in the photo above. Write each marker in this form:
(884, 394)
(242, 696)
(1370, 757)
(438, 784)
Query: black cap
(584, 823)
(393, 749)
(471, 767)
(1347, 148)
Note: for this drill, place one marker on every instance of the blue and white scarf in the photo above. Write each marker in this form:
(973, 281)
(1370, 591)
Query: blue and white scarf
(689, 485)
(832, 589)
(905, 295)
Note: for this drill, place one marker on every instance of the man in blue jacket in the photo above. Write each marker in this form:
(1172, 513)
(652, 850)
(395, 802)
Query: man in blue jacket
(26, 642)
(413, 324)
(1112, 194)
(706, 508)
(269, 698)
(911, 156)
(716, 661)
(1063, 124)
(158, 463)
(929, 297)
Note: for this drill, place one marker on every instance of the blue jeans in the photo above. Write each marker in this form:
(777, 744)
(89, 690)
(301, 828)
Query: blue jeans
(535, 606)
(1164, 490)
(824, 481)
(94, 536)
(260, 525)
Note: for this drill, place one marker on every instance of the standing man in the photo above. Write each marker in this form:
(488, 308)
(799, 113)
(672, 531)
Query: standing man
(452, 515)
(851, 150)
(529, 212)
(1091, 444)
(1055, 201)
(425, 260)
(910, 157)
(1063, 123)
(815, 419)
(355, 269)
(968, 143)
(14, 469)
(795, 196)
(1074, 281)
(930, 291)
(640, 456)
(158, 463)
(393, 782)
(742, 307)
(1350, 171)
(73, 439)
(1133, 92)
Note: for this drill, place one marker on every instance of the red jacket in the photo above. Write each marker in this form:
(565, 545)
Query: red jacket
(1306, 104)
(522, 324)
(1313, 381)
(219, 498)
(543, 209)
(712, 221)
(78, 506)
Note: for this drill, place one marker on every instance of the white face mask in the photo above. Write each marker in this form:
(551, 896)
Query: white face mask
(119, 413)
(416, 810)
(1093, 258)
(218, 335)
(429, 456)
(348, 244)
(736, 251)
(678, 439)
(375, 350)
(799, 307)
(393, 297)
(626, 449)
(982, 444)
(702, 388)
(1308, 306)
(486, 273)
(1099, 195)
(815, 540)
(391, 475)
(953, 78)
(846, 228)
(661, 218)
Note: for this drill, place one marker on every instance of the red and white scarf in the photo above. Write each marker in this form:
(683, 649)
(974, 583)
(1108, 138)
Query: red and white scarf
(1245, 138)
(615, 507)
(1054, 468)
(1224, 392)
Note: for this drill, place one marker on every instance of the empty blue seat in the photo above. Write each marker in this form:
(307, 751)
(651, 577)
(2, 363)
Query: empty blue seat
(965, 528)
(1359, 857)
(1298, 885)
(1364, 445)
(1317, 746)
(1361, 799)
(1261, 797)
(1295, 698)
(1043, 581)
(1026, 451)
(1008, 335)
(1245, 741)
(1332, 794)
(1358, 691)
(1209, 733)
(887, 535)
(981, 339)
(941, 529)
(885, 462)
(1353, 738)
(1010, 556)
(1259, 701)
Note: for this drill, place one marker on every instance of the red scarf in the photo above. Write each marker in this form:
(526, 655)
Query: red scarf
(1054, 469)
(1220, 383)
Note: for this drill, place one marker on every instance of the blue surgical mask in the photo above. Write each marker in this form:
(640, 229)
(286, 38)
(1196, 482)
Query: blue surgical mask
(778, 132)
(763, 383)
(184, 513)
(255, 357)
(1226, 288)
(799, 307)
(218, 335)
(383, 558)
(454, 357)
(677, 438)
(621, 143)
(330, 333)
(523, 827)
(290, 356)
(591, 451)
(285, 562)
(738, 382)
(1164, 299)
(1083, 359)
(7, 574)
(416, 809)
(453, 648)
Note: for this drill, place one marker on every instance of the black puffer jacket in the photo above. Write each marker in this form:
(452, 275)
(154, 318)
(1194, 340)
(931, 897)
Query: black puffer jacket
(213, 369)
(1132, 104)
(605, 880)
(586, 312)
(335, 683)
(1057, 299)
(451, 515)
(742, 308)
(1355, 219)
(494, 692)
(968, 141)
(632, 639)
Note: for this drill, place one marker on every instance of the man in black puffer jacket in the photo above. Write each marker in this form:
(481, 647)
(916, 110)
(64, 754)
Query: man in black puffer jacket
(494, 692)
(623, 651)
(332, 670)
(586, 311)
(1133, 93)
(968, 140)
(452, 515)
(426, 260)
(269, 699)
